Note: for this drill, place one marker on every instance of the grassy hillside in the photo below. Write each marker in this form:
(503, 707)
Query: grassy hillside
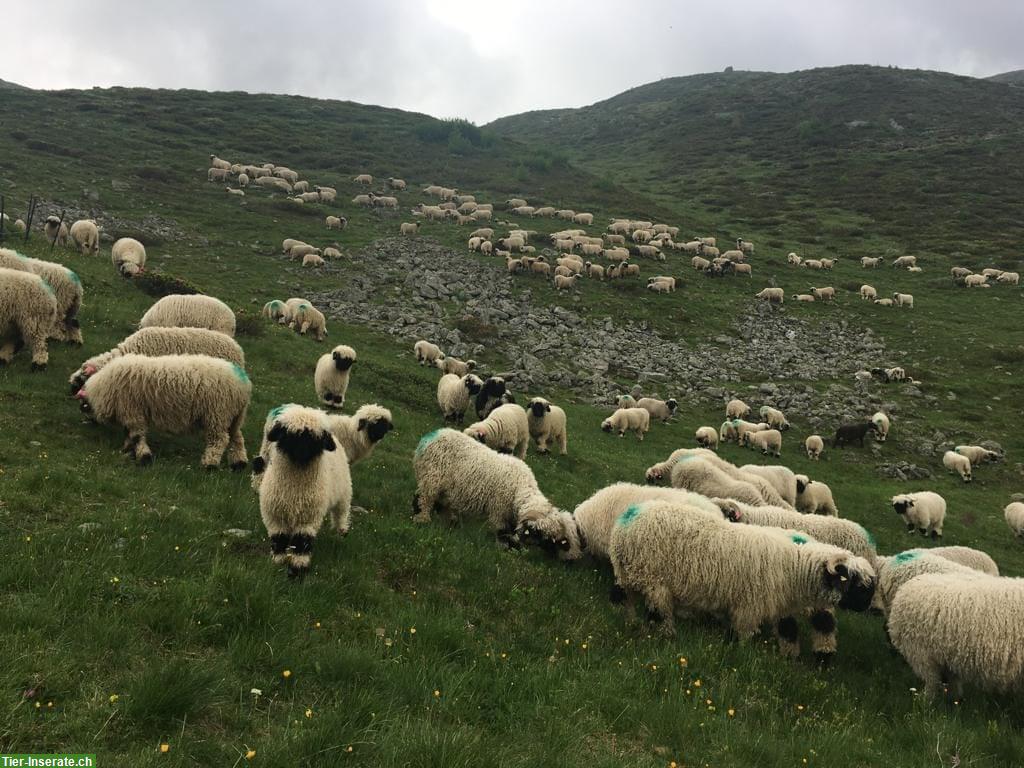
(1015, 77)
(135, 619)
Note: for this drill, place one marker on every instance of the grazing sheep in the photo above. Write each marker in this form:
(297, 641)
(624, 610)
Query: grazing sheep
(663, 410)
(190, 311)
(881, 422)
(56, 231)
(305, 318)
(811, 263)
(670, 282)
(217, 174)
(363, 178)
(675, 556)
(952, 629)
(781, 478)
(397, 184)
(454, 365)
(814, 446)
(336, 222)
(273, 309)
(977, 454)
(848, 433)
(234, 192)
(804, 297)
(743, 269)
(771, 295)
(744, 246)
(959, 273)
(746, 428)
(768, 440)
(975, 281)
(736, 409)
(775, 418)
(453, 394)
(967, 557)
(469, 479)
(924, 510)
(64, 285)
(868, 262)
(176, 394)
(658, 286)
(547, 425)
(359, 433)
(28, 311)
(700, 264)
(637, 420)
(409, 229)
(160, 342)
(331, 252)
(490, 396)
(792, 258)
(312, 260)
(828, 263)
(565, 282)
(896, 571)
(954, 462)
(814, 498)
(868, 292)
(505, 430)
(883, 302)
(905, 261)
(903, 300)
(1014, 514)
(707, 437)
(331, 376)
(699, 474)
(727, 433)
(1009, 278)
(304, 477)
(824, 294)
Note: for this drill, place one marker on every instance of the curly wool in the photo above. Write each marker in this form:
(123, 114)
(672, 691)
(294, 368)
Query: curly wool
(359, 433)
(190, 311)
(454, 365)
(923, 510)
(505, 430)
(781, 478)
(895, 571)
(86, 235)
(453, 394)
(128, 256)
(65, 286)
(330, 380)
(637, 420)
(701, 476)
(663, 470)
(28, 306)
(814, 498)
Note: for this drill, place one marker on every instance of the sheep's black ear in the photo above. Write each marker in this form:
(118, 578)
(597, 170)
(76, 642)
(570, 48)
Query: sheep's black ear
(276, 433)
(329, 444)
(548, 407)
(362, 424)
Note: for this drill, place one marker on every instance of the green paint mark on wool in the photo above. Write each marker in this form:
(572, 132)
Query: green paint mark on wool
(631, 514)
(275, 412)
(277, 304)
(426, 440)
(798, 539)
(240, 372)
(47, 286)
(74, 278)
(868, 536)
(906, 557)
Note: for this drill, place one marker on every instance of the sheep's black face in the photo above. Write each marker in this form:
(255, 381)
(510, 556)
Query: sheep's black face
(528, 534)
(77, 382)
(472, 387)
(494, 386)
(857, 591)
(376, 429)
(902, 507)
(539, 409)
(606, 427)
(801, 486)
(672, 404)
(341, 362)
(301, 447)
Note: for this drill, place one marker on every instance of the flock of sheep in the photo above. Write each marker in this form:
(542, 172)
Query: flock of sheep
(689, 546)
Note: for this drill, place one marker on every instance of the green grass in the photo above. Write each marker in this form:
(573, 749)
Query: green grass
(530, 663)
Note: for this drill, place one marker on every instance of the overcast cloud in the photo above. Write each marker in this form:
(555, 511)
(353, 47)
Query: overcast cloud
(483, 59)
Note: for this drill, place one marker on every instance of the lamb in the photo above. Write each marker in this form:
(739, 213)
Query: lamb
(1014, 514)
(954, 462)
(824, 294)
(1009, 278)
(490, 396)
(409, 229)
(814, 446)
(896, 571)
(903, 300)
(883, 302)
(736, 409)
(924, 510)
(65, 287)
(176, 394)
(881, 422)
(781, 478)
(234, 192)
(359, 433)
(564, 282)
(427, 353)
(707, 437)
(637, 420)
(950, 629)
(814, 498)
(505, 430)
(243, 181)
(768, 440)
(868, 292)
(547, 425)
(470, 479)
(698, 474)
(867, 262)
(453, 394)
(160, 342)
(673, 556)
(190, 311)
(848, 433)
(905, 261)
(305, 478)
(659, 409)
(745, 428)
(775, 418)
(771, 295)
(454, 365)
(977, 454)
(27, 306)
(336, 222)
(313, 260)
(657, 286)
(331, 376)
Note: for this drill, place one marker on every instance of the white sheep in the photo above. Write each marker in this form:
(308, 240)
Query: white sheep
(565, 282)
(781, 478)
(1009, 278)
(1014, 514)
(312, 260)
(707, 437)
(924, 511)
(771, 295)
(409, 229)
(977, 454)
(793, 259)
(453, 394)
(824, 294)
(868, 292)
(905, 261)
(881, 422)
(427, 353)
(896, 571)
(359, 433)
(454, 365)
(176, 394)
(727, 432)
(903, 300)
(736, 409)
(814, 446)
(304, 478)
(662, 410)
(953, 629)
(363, 178)
(637, 420)
(28, 311)
(954, 462)
(305, 318)
(814, 497)
(190, 311)
(883, 302)
(505, 430)
(65, 286)
(868, 262)
(699, 474)
(547, 425)
(775, 418)
(336, 222)
(332, 374)
(745, 428)
(768, 440)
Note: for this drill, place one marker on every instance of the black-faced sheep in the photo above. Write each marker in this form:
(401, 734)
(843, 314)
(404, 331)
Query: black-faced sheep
(663, 410)
(453, 394)
(547, 424)
(505, 430)
(359, 433)
(489, 396)
(924, 511)
(454, 365)
(637, 420)
(332, 374)
(28, 311)
(814, 498)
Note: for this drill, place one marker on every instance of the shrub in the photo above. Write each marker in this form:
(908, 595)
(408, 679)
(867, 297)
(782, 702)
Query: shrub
(158, 284)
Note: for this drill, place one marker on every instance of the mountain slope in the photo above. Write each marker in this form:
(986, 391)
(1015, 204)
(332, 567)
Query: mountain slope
(1015, 77)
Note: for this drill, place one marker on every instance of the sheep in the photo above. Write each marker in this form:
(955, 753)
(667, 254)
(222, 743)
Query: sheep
(699, 263)
(733, 255)
(828, 263)
(814, 446)
(565, 282)
(190, 311)
(745, 428)
(1014, 514)
(891, 374)
(768, 440)
(967, 557)
(1009, 278)
(805, 297)
(659, 409)
(974, 281)
(481, 214)
(363, 178)
(868, 262)
(743, 269)
(896, 571)
(905, 261)
(595, 517)
(427, 353)
(454, 365)
(176, 394)
(65, 286)
(668, 281)
(304, 477)
(775, 418)
(505, 430)
(868, 292)
(848, 433)
(977, 454)
(924, 510)
(824, 294)
(330, 380)
(881, 422)
(359, 433)
(727, 432)
(736, 409)
(914, 270)
(814, 498)
(883, 302)
(490, 396)
(486, 248)
(512, 265)
(540, 268)
(409, 229)
(673, 556)
(243, 181)
(959, 273)
(950, 629)
(327, 195)
(453, 394)
(811, 263)
(312, 260)
(331, 252)
(235, 192)
(217, 174)
(903, 300)
(745, 246)
(707, 437)
(583, 218)
(56, 231)
(484, 233)
(62, 235)
(636, 420)
(216, 162)
(780, 478)
(793, 259)
(309, 318)
(273, 309)
(547, 425)
(397, 184)
(380, 201)
(159, 342)
(336, 222)
(27, 306)
(658, 286)
(470, 479)
(771, 295)
(699, 474)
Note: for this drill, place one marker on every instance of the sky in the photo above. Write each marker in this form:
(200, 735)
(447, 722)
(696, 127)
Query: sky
(481, 60)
